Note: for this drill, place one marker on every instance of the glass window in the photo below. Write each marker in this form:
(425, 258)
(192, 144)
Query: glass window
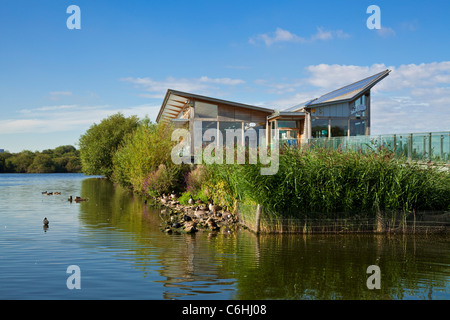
(251, 132)
(319, 128)
(339, 127)
(358, 108)
(205, 110)
(287, 124)
(288, 134)
(224, 125)
(288, 137)
(357, 127)
(206, 125)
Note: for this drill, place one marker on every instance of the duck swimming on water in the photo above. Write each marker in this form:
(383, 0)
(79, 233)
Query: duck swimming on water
(45, 221)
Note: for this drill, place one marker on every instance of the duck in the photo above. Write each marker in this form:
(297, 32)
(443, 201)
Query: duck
(57, 193)
(45, 221)
(173, 196)
(214, 207)
(212, 224)
(70, 199)
(44, 192)
(225, 213)
(200, 211)
(199, 201)
(79, 199)
(191, 200)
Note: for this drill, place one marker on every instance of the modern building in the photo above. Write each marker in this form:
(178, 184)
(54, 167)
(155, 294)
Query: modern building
(343, 112)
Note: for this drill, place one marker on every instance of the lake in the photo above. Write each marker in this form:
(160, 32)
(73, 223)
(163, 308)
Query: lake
(116, 241)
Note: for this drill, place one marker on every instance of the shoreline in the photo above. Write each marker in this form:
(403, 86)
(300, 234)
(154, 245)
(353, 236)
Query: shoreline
(179, 218)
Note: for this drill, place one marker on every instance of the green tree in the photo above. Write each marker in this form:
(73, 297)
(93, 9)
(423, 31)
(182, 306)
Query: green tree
(100, 142)
(20, 162)
(144, 162)
(2, 164)
(42, 163)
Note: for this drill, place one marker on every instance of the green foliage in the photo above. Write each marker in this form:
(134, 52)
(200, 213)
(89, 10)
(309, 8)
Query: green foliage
(42, 163)
(333, 181)
(195, 195)
(143, 162)
(100, 142)
(62, 159)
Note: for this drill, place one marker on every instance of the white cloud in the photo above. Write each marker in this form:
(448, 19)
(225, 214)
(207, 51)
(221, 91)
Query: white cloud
(55, 95)
(281, 35)
(333, 76)
(64, 118)
(413, 98)
(157, 89)
(386, 32)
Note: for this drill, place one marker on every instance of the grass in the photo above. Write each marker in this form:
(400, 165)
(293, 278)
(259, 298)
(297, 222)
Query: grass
(330, 181)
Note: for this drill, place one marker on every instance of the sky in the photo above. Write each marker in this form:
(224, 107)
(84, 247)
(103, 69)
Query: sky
(55, 82)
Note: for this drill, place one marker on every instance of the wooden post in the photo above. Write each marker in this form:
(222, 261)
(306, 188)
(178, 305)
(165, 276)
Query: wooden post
(430, 155)
(394, 149)
(258, 218)
(410, 146)
(380, 221)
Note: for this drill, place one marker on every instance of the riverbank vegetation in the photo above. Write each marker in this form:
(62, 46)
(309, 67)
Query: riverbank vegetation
(63, 159)
(100, 142)
(308, 180)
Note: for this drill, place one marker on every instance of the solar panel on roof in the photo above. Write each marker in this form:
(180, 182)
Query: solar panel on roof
(298, 106)
(352, 87)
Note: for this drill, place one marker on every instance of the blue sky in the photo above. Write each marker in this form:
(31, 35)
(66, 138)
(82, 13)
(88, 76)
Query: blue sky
(56, 82)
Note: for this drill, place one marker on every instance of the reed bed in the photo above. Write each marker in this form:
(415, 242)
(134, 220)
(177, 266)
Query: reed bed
(319, 183)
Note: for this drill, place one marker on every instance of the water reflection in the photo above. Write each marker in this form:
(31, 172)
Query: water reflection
(244, 266)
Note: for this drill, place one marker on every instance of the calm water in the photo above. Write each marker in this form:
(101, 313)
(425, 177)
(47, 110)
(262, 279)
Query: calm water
(122, 254)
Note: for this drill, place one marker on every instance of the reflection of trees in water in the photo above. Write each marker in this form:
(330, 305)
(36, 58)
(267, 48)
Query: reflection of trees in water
(264, 267)
(334, 267)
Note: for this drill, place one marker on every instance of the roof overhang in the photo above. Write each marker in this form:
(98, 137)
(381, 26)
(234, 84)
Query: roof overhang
(285, 114)
(175, 101)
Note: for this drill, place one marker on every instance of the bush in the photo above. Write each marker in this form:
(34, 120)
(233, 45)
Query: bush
(137, 163)
(100, 142)
(159, 181)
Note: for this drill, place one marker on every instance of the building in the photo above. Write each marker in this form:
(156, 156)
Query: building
(342, 112)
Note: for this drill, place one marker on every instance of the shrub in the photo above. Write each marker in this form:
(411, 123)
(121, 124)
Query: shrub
(137, 163)
(101, 141)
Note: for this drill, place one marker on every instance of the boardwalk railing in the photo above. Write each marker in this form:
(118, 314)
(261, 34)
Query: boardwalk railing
(434, 146)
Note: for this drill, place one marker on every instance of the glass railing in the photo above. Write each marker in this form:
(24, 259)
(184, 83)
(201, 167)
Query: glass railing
(434, 146)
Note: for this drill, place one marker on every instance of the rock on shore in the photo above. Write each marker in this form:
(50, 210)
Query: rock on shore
(190, 219)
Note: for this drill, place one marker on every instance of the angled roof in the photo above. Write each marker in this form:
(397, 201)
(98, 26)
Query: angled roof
(300, 106)
(343, 94)
(175, 101)
(351, 91)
